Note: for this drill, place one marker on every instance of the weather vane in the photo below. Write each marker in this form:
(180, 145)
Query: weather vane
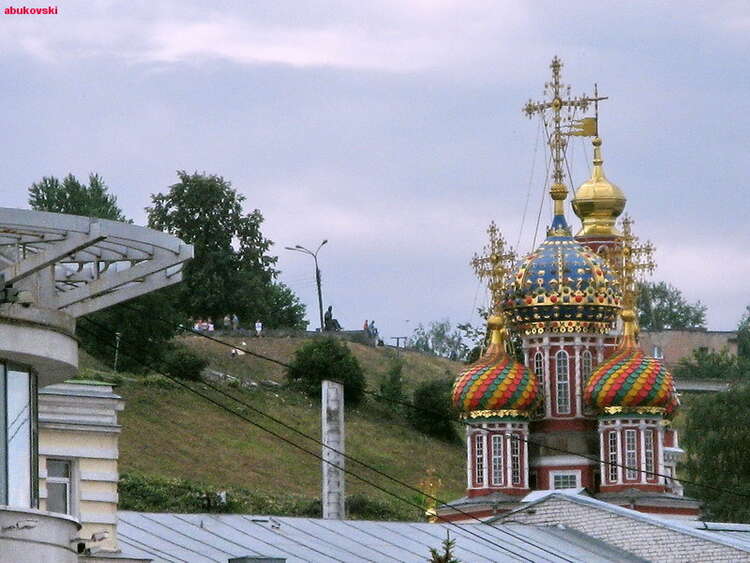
(562, 108)
(495, 265)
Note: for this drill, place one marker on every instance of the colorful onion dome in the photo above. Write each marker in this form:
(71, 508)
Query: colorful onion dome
(630, 381)
(598, 202)
(562, 287)
(496, 386)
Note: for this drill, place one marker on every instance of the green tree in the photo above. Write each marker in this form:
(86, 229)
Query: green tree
(72, 197)
(232, 271)
(327, 358)
(439, 339)
(433, 413)
(716, 439)
(743, 335)
(662, 306)
(707, 364)
(143, 336)
(447, 555)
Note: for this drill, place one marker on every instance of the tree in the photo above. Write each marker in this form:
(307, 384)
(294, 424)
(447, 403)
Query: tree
(716, 439)
(143, 337)
(743, 336)
(70, 196)
(433, 412)
(327, 358)
(662, 306)
(447, 555)
(232, 271)
(439, 340)
(707, 364)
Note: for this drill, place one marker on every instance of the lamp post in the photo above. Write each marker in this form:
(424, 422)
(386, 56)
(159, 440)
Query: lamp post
(298, 248)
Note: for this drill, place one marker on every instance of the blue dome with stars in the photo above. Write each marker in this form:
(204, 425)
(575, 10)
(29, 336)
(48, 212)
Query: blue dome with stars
(562, 287)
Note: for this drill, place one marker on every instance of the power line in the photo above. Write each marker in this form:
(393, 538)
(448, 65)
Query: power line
(463, 422)
(320, 457)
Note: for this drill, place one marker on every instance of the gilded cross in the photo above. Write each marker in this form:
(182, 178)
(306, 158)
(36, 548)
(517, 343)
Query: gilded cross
(562, 108)
(633, 262)
(495, 265)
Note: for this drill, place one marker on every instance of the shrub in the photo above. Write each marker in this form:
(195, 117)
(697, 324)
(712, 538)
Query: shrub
(182, 363)
(433, 413)
(392, 386)
(327, 358)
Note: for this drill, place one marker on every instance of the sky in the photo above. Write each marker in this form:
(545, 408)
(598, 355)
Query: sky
(393, 129)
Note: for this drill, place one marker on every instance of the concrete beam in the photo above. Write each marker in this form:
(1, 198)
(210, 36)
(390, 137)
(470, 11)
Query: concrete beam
(53, 253)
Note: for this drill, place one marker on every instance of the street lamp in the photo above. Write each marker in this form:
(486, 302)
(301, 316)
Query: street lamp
(298, 248)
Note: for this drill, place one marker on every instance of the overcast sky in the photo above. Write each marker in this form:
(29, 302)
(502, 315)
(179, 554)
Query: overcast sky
(393, 129)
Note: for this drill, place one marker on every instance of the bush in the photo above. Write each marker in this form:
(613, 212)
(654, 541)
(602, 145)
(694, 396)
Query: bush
(392, 386)
(330, 359)
(433, 413)
(182, 363)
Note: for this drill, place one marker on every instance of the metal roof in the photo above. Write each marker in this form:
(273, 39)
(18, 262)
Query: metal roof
(218, 537)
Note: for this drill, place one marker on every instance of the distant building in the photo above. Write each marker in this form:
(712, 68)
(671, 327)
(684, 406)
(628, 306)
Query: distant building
(671, 346)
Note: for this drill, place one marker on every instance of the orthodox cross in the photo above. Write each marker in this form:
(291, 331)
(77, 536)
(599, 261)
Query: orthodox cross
(636, 260)
(563, 108)
(495, 265)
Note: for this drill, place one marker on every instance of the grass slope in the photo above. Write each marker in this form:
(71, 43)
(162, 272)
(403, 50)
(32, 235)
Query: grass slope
(169, 432)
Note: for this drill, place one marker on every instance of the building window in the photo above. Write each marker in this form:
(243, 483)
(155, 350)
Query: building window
(612, 457)
(497, 459)
(630, 454)
(658, 353)
(564, 480)
(563, 382)
(479, 459)
(586, 364)
(539, 366)
(58, 486)
(18, 475)
(649, 453)
(515, 460)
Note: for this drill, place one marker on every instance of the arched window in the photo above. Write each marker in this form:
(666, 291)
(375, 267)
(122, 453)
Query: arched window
(586, 363)
(563, 382)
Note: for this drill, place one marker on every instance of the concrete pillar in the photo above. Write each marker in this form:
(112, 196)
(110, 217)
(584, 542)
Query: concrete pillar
(333, 495)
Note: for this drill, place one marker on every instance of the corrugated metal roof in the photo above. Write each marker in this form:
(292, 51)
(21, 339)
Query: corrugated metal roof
(203, 538)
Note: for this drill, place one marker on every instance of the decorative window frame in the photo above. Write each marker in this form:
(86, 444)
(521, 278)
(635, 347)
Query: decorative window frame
(565, 473)
(562, 385)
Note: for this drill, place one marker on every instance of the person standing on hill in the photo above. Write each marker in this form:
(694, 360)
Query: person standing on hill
(235, 322)
(258, 328)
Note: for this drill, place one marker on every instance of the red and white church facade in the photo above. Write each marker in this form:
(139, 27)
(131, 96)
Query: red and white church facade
(584, 409)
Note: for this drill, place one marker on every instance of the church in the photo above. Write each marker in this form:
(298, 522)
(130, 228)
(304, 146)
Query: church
(563, 398)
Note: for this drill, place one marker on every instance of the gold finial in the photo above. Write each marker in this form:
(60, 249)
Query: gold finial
(495, 266)
(563, 109)
(632, 262)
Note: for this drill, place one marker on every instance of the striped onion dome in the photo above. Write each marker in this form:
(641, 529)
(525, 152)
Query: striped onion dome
(630, 381)
(496, 386)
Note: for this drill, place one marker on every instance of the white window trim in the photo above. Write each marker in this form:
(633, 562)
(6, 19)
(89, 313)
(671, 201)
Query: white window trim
(631, 471)
(563, 472)
(565, 383)
(480, 458)
(72, 480)
(497, 459)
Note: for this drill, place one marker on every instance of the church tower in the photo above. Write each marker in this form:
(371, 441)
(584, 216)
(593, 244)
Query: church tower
(583, 408)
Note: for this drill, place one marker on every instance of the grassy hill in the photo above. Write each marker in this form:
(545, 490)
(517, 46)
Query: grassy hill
(169, 432)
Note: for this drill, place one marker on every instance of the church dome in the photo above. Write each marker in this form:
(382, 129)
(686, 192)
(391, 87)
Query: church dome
(598, 202)
(562, 287)
(630, 381)
(496, 385)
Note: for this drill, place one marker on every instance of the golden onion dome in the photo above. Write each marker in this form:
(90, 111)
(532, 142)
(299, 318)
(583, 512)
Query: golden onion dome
(598, 202)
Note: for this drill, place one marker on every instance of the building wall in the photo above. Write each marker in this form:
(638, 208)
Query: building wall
(677, 344)
(646, 540)
(78, 423)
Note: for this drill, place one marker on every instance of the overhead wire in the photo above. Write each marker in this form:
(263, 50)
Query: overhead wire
(316, 455)
(465, 423)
